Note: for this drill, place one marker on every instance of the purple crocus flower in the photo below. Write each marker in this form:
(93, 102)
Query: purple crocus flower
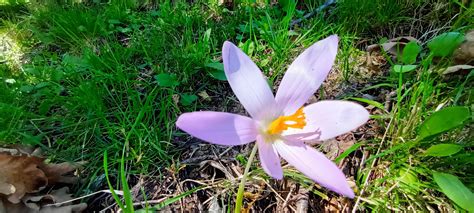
(281, 125)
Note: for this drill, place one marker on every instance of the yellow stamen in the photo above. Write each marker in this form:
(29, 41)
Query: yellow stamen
(282, 123)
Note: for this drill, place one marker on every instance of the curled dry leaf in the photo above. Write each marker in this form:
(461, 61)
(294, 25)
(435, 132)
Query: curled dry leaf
(465, 53)
(65, 209)
(21, 175)
(29, 174)
(393, 46)
(457, 68)
(56, 196)
(6, 206)
(204, 95)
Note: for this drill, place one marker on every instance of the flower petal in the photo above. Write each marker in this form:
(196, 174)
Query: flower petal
(314, 165)
(247, 82)
(269, 158)
(328, 119)
(306, 74)
(218, 127)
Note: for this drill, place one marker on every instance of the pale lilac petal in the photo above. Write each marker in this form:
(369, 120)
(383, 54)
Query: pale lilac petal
(306, 74)
(269, 158)
(218, 127)
(328, 119)
(247, 82)
(314, 165)
(312, 137)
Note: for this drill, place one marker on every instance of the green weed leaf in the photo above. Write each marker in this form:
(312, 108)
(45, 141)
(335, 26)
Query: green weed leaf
(442, 150)
(207, 35)
(166, 80)
(408, 177)
(370, 102)
(443, 45)
(346, 153)
(188, 99)
(217, 71)
(444, 120)
(403, 68)
(410, 52)
(452, 187)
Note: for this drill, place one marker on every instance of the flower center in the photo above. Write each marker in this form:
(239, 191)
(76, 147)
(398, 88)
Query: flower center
(282, 123)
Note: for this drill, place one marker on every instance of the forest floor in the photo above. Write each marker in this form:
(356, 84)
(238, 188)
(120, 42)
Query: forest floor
(102, 83)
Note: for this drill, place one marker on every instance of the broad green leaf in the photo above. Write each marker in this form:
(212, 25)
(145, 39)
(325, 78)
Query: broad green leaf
(27, 88)
(217, 71)
(42, 85)
(44, 107)
(215, 65)
(32, 70)
(444, 120)
(56, 75)
(286, 4)
(248, 47)
(114, 21)
(188, 99)
(452, 187)
(403, 68)
(207, 35)
(444, 45)
(410, 52)
(441, 150)
(219, 75)
(408, 176)
(166, 80)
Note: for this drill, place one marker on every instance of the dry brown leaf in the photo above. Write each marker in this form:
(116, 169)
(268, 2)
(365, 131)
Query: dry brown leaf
(335, 147)
(56, 196)
(175, 99)
(65, 209)
(393, 46)
(457, 68)
(23, 174)
(204, 95)
(29, 174)
(465, 53)
(56, 172)
(6, 206)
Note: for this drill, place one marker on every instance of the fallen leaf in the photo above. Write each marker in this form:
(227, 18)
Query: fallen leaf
(6, 206)
(464, 54)
(393, 46)
(22, 174)
(65, 209)
(56, 196)
(203, 94)
(56, 172)
(457, 68)
(469, 35)
(175, 99)
(29, 174)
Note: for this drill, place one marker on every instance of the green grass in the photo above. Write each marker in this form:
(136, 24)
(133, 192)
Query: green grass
(89, 84)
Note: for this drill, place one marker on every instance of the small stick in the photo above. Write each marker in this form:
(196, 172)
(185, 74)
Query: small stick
(312, 13)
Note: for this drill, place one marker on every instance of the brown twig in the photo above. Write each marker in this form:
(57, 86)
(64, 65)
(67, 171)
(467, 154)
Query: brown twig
(312, 13)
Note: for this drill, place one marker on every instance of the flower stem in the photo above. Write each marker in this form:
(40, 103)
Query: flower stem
(240, 192)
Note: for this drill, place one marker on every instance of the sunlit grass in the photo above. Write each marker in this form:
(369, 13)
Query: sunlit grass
(88, 84)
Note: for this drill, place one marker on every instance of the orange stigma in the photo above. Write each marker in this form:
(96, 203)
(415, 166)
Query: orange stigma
(282, 123)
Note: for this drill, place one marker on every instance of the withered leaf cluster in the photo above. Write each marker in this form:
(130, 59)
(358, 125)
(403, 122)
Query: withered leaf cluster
(26, 183)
